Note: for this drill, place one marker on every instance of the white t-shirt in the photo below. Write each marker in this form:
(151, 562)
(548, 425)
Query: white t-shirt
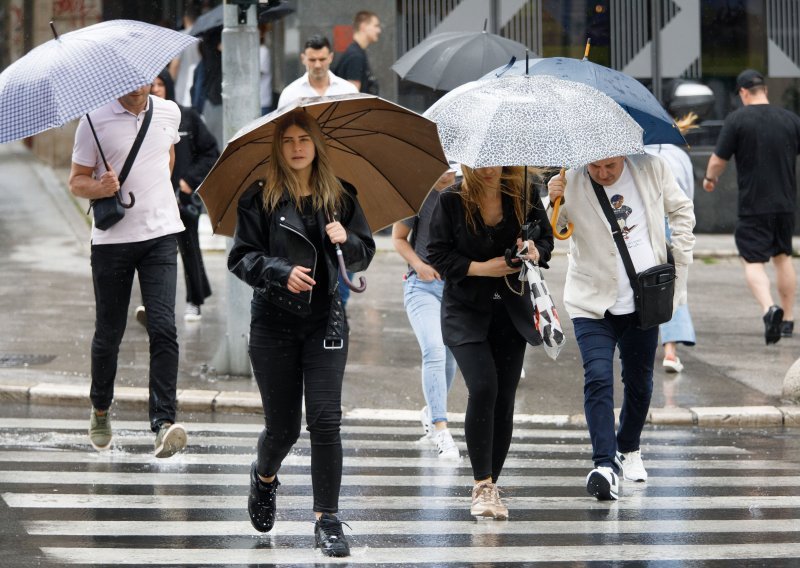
(632, 219)
(189, 58)
(155, 213)
(265, 83)
(302, 88)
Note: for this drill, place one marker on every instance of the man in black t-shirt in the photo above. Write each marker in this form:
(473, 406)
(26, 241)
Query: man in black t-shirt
(353, 65)
(766, 141)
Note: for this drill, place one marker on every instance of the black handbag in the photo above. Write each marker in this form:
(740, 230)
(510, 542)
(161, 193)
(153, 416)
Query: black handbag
(654, 288)
(108, 211)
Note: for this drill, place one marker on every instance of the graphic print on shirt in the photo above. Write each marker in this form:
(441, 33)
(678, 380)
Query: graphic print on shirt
(621, 213)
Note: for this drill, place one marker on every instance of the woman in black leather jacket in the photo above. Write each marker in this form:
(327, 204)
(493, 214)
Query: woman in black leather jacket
(284, 248)
(487, 315)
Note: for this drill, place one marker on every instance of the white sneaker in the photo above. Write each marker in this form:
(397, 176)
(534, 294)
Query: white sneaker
(445, 445)
(192, 313)
(671, 366)
(603, 484)
(141, 316)
(632, 466)
(427, 425)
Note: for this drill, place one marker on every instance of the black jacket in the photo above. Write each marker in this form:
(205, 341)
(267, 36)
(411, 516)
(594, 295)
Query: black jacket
(196, 152)
(467, 300)
(266, 246)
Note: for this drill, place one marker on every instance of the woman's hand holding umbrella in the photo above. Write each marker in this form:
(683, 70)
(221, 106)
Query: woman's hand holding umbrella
(555, 190)
(337, 235)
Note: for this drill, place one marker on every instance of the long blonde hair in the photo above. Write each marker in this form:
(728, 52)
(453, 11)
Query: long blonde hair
(326, 189)
(512, 180)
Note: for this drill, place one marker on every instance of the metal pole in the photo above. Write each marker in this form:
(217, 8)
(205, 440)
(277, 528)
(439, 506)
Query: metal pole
(495, 16)
(655, 47)
(240, 105)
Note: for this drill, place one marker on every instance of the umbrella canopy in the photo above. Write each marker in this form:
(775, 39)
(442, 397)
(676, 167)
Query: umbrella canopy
(215, 18)
(532, 121)
(80, 71)
(447, 60)
(390, 154)
(659, 127)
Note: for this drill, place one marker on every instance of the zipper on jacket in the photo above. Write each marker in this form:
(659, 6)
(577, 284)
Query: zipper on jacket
(302, 236)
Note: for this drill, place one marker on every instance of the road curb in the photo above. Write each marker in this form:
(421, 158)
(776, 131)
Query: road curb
(241, 402)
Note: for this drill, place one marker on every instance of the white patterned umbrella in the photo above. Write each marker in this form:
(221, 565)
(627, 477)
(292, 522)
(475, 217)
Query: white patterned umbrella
(80, 71)
(546, 317)
(532, 121)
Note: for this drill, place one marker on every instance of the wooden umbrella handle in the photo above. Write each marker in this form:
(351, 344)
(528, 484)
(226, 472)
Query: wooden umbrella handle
(553, 221)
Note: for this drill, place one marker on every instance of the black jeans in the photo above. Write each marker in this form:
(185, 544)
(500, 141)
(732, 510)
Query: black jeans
(288, 357)
(491, 371)
(113, 267)
(597, 340)
(197, 285)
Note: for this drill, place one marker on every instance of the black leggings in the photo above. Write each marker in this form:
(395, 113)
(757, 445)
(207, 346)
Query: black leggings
(491, 371)
(288, 358)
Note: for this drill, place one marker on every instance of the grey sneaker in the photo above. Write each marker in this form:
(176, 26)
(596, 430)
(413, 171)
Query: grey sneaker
(170, 439)
(100, 430)
(483, 503)
(192, 313)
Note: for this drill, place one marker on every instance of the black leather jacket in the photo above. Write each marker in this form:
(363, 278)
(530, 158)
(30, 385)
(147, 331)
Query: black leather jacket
(266, 246)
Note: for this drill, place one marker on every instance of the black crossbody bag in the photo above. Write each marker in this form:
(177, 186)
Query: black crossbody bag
(109, 210)
(654, 288)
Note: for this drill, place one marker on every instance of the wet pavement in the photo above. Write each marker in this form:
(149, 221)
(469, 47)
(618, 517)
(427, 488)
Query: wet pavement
(713, 498)
(48, 308)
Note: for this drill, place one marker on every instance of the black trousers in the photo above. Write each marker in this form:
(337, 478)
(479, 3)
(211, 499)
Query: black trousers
(194, 271)
(289, 360)
(491, 371)
(113, 268)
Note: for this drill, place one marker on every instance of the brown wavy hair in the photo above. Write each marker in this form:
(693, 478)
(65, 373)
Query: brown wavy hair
(326, 189)
(512, 180)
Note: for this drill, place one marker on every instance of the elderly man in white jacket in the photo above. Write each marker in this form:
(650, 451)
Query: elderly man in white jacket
(599, 298)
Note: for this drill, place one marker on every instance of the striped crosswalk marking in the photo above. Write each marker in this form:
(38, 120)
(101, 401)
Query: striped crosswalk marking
(711, 496)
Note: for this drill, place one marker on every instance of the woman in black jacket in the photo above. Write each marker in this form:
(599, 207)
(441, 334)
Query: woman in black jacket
(487, 315)
(284, 248)
(195, 155)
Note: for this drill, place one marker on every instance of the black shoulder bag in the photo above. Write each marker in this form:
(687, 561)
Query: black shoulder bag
(654, 288)
(109, 210)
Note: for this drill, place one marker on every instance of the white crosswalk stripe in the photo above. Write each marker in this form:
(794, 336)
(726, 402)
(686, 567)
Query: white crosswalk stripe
(711, 496)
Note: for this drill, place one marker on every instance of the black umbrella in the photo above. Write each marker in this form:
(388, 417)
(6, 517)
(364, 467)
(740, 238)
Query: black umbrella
(215, 18)
(447, 60)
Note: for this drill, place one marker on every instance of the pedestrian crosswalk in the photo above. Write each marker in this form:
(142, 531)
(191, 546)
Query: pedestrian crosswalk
(713, 496)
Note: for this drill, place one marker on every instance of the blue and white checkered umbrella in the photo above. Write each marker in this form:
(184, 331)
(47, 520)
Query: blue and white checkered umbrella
(80, 71)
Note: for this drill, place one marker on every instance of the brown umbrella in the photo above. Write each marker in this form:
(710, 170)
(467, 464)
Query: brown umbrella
(390, 154)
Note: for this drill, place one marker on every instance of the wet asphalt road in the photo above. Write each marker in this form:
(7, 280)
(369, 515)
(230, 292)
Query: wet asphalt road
(714, 498)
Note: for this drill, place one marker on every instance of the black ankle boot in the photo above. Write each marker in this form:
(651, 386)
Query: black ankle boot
(261, 502)
(328, 536)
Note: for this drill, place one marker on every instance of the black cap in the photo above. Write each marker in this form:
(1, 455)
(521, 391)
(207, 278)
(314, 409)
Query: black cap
(748, 79)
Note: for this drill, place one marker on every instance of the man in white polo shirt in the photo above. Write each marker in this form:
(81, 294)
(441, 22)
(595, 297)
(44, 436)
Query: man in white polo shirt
(142, 242)
(318, 80)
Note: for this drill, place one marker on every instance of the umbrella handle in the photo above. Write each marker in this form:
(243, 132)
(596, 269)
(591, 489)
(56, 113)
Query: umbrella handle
(362, 282)
(126, 205)
(570, 227)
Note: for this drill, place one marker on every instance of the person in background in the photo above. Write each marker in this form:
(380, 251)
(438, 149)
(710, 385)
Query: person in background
(487, 317)
(600, 300)
(765, 140)
(143, 243)
(181, 69)
(422, 298)
(284, 248)
(318, 80)
(211, 86)
(195, 155)
(354, 66)
(265, 70)
(680, 328)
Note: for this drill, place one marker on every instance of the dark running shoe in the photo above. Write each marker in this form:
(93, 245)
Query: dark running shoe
(261, 502)
(328, 536)
(787, 328)
(772, 324)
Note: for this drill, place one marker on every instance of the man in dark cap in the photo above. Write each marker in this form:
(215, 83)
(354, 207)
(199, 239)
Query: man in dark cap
(765, 140)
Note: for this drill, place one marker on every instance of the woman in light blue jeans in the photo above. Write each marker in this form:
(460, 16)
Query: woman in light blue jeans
(422, 298)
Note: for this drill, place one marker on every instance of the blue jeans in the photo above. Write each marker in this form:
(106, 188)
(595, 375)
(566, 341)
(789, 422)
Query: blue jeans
(423, 303)
(113, 267)
(597, 340)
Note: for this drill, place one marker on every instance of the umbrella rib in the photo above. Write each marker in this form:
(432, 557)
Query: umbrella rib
(239, 190)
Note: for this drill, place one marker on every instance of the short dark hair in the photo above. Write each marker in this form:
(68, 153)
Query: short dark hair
(317, 41)
(363, 17)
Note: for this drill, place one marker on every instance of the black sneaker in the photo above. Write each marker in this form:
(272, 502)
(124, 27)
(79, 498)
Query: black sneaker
(772, 324)
(261, 502)
(787, 328)
(328, 536)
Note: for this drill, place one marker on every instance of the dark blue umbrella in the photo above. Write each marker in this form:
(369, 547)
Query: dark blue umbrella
(630, 94)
